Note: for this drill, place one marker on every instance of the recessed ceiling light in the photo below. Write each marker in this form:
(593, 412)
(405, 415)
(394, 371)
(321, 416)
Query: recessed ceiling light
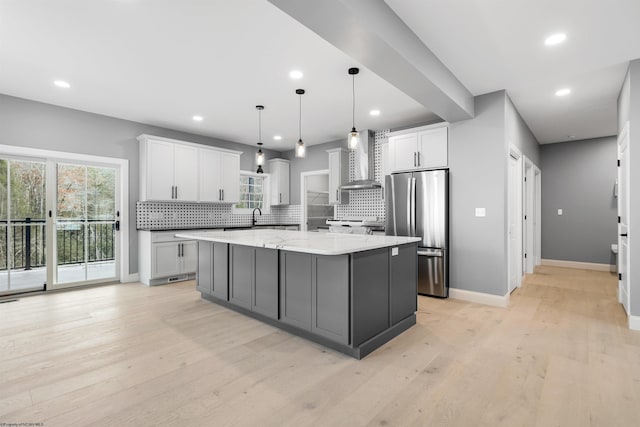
(374, 112)
(571, 136)
(277, 137)
(62, 84)
(555, 39)
(296, 74)
(197, 118)
(563, 92)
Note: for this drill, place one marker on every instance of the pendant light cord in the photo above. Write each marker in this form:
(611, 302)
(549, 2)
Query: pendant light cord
(353, 98)
(260, 126)
(300, 119)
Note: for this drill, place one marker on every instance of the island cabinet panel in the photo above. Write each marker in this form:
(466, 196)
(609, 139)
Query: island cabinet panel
(204, 275)
(265, 282)
(370, 294)
(241, 273)
(403, 292)
(295, 289)
(330, 297)
(212, 277)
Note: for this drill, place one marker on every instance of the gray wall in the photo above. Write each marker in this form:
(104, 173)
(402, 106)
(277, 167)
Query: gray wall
(578, 177)
(629, 110)
(518, 133)
(316, 159)
(33, 124)
(478, 172)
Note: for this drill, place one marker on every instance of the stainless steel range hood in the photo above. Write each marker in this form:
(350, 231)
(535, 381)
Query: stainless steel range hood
(364, 164)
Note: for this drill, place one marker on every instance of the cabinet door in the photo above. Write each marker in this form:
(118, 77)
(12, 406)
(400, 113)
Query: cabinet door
(241, 275)
(210, 174)
(432, 148)
(403, 294)
(265, 282)
(276, 195)
(164, 259)
(404, 149)
(189, 256)
(230, 178)
(279, 183)
(159, 166)
(330, 297)
(295, 289)
(220, 271)
(204, 278)
(186, 173)
(335, 179)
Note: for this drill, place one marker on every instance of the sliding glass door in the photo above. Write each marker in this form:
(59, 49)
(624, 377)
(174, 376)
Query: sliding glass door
(86, 224)
(22, 225)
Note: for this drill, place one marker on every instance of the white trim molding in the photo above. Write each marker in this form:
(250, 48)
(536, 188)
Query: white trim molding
(131, 278)
(579, 265)
(634, 323)
(480, 298)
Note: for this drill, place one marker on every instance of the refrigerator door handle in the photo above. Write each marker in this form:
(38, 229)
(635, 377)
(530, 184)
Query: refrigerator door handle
(431, 252)
(413, 206)
(409, 207)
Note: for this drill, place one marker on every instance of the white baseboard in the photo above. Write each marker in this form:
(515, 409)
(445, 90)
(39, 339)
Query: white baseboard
(634, 323)
(479, 297)
(130, 278)
(579, 265)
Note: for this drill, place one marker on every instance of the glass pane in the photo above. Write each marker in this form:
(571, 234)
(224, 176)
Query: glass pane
(71, 265)
(101, 246)
(22, 236)
(71, 192)
(101, 191)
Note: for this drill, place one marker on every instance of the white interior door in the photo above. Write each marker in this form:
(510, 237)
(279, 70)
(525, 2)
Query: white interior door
(537, 222)
(623, 213)
(515, 221)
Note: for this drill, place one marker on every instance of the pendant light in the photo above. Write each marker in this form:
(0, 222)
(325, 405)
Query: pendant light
(300, 150)
(259, 154)
(353, 139)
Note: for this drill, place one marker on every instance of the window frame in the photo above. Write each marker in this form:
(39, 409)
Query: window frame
(266, 193)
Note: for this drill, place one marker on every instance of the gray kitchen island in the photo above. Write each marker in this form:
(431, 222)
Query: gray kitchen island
(348, 292)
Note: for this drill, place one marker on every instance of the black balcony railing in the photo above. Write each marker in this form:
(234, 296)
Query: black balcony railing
(27, 248)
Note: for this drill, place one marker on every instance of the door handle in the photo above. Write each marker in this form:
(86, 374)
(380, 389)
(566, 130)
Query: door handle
(624, 235)
(116, 225)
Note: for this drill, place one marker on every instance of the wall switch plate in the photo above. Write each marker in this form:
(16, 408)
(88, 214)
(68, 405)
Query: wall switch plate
(559, 211)
(481, 212)
(394, 251)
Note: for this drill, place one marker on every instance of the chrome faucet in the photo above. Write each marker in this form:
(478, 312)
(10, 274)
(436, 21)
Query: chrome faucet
(254, 215)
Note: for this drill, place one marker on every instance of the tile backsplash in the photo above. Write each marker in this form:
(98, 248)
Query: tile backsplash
(366, 202)
(176, 215)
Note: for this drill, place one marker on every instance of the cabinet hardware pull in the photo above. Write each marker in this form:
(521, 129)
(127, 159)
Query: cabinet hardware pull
(418, 158)
(414, 159)
(337, 195)
(223, 194)
(280, 197)
(176, 191)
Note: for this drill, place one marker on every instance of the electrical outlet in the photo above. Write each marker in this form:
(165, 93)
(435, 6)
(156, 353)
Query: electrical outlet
(481, 212)
(559, 211)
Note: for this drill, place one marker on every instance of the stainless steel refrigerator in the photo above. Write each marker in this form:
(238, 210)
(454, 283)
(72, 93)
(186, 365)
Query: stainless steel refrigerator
(417, 205)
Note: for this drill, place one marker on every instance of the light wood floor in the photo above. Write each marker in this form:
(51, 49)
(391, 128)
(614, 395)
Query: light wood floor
(561, 354)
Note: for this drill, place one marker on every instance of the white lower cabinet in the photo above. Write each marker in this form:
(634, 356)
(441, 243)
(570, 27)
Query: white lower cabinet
(164, 258)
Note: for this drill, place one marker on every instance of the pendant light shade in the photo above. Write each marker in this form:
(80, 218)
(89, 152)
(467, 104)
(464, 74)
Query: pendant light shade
(353, 138)
(300, 150)
(259, 154)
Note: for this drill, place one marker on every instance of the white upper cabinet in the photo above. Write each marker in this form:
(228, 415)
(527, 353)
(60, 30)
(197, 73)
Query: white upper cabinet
(182, 171)
(338, 175)
(230, 177)
(420, 148)
(279, 170)
(210, 175)
(185, 170)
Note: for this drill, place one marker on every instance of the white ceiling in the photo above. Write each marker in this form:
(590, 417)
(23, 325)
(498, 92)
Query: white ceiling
(499, 44)
(163, 62)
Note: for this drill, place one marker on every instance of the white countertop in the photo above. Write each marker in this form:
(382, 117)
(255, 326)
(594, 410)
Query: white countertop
(300, 241)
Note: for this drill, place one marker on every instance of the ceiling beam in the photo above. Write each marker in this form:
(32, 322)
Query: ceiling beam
(371, 33)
